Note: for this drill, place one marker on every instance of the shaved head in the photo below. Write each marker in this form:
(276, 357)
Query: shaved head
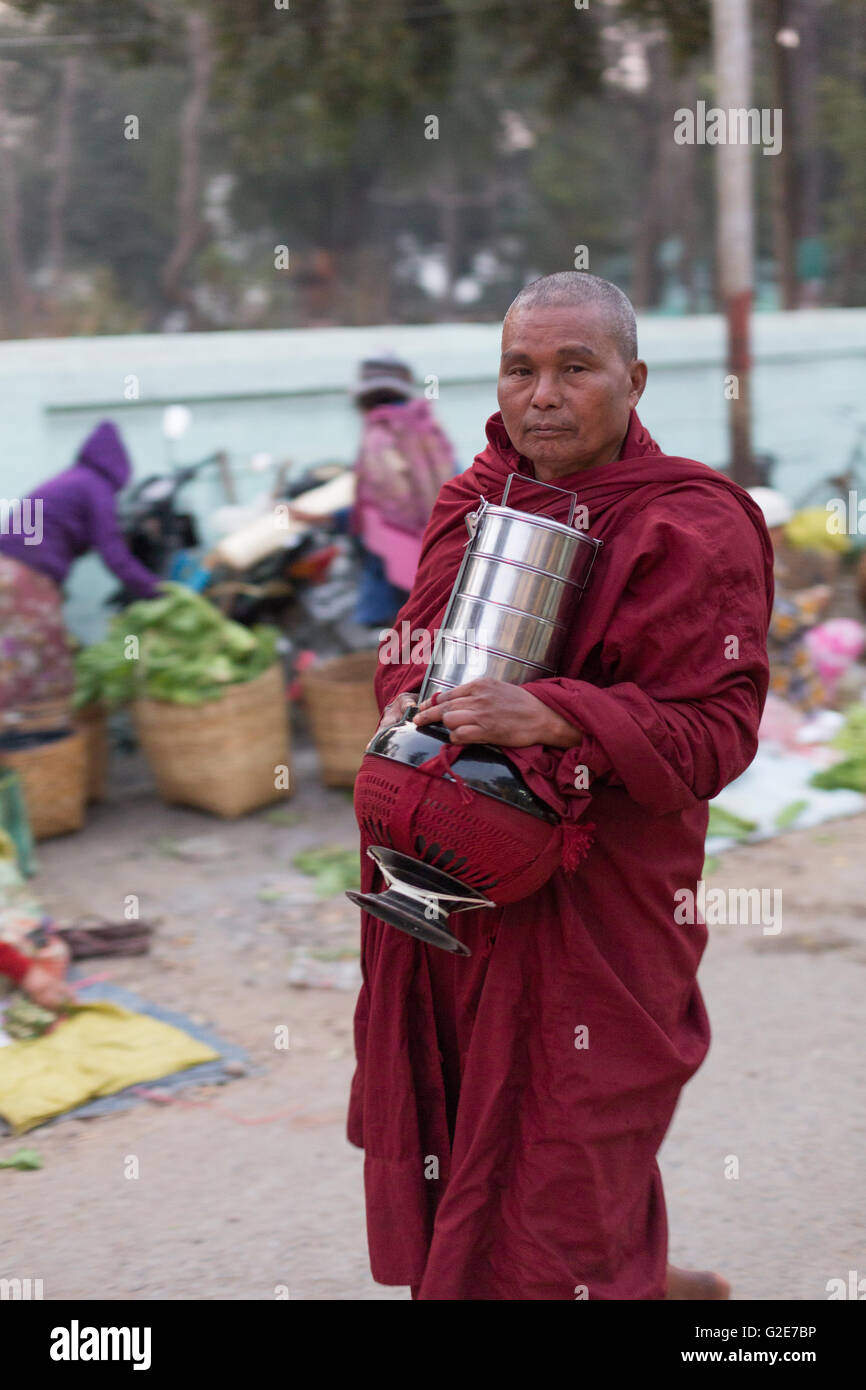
(569, 374)
(578, 287)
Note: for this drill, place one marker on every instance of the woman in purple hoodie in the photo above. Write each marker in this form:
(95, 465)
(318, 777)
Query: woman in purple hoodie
(53, 526)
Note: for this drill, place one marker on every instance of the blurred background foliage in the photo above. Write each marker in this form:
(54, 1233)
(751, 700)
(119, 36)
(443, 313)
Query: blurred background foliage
(306, 126)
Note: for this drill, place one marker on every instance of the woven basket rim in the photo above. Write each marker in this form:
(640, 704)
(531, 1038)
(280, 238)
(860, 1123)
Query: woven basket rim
(218, 702)
(342, 670)
(37, 716)
(93, 710)
(219, 756)
(53, 779)
(67, 736)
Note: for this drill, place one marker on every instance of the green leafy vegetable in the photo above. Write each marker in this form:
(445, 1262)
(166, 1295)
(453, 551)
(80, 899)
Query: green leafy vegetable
(284, 817)
(334, 869)
(726, 823)
(850, 773)
(177, 647)
(24, 1159)
(24, 1019)
(790, 813)
(851, 739)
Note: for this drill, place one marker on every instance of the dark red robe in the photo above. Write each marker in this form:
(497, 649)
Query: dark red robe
(511, 1104)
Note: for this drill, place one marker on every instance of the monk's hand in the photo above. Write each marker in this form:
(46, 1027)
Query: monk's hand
(394, 712)
(491, 711)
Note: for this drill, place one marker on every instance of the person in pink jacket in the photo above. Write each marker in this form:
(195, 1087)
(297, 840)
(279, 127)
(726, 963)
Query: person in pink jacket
(403, 460)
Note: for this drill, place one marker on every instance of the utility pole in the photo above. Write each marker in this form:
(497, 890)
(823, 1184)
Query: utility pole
(783, 41)
(732, 50)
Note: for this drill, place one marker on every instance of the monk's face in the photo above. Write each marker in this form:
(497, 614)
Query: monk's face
(564, 390)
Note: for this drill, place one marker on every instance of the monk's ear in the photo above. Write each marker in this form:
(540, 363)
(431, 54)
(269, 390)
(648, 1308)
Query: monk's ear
(637, 374)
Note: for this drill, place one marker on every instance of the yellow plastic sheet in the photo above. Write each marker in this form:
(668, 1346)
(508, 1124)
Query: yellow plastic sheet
(99, 1049)
(808, 530)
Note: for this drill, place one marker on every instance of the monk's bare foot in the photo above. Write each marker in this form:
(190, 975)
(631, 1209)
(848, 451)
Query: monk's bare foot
(696, 1283)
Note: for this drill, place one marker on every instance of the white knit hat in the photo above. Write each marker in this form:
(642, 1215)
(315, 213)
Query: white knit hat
(775, 505)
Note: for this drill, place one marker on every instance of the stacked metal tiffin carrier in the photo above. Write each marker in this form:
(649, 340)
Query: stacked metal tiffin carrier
(448, 843)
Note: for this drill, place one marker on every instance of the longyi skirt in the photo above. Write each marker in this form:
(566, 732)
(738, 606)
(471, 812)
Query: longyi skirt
(35, 656)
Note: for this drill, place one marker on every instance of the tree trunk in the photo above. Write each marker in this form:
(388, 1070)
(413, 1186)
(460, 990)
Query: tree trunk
(447, 203)
(685, 202)
(807, 74)
(70, 77)
(21, 298)
(732, 49)
(659, 147)
(780, 16)
(191, 230)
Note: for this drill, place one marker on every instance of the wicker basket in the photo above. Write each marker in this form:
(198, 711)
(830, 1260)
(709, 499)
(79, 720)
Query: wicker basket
(343, 713)
(38, 716)
(54, 783)
(92, 721)
(225, 755)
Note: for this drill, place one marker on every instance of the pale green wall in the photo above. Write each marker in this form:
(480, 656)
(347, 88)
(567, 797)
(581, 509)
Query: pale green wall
(285, 393)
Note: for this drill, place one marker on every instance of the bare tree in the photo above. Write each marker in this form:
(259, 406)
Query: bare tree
(685, 199)
(10, 218)
(807, 71)
(659, 153)
(780, 15)
(191, 229)
(61, 159)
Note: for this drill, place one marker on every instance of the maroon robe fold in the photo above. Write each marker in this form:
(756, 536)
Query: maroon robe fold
(511, 1104)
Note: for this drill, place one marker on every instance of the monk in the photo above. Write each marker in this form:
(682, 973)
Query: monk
(511, 1104)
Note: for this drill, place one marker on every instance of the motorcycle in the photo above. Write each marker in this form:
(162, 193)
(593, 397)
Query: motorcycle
(304, 583)
(158, 531)
(303, 578)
